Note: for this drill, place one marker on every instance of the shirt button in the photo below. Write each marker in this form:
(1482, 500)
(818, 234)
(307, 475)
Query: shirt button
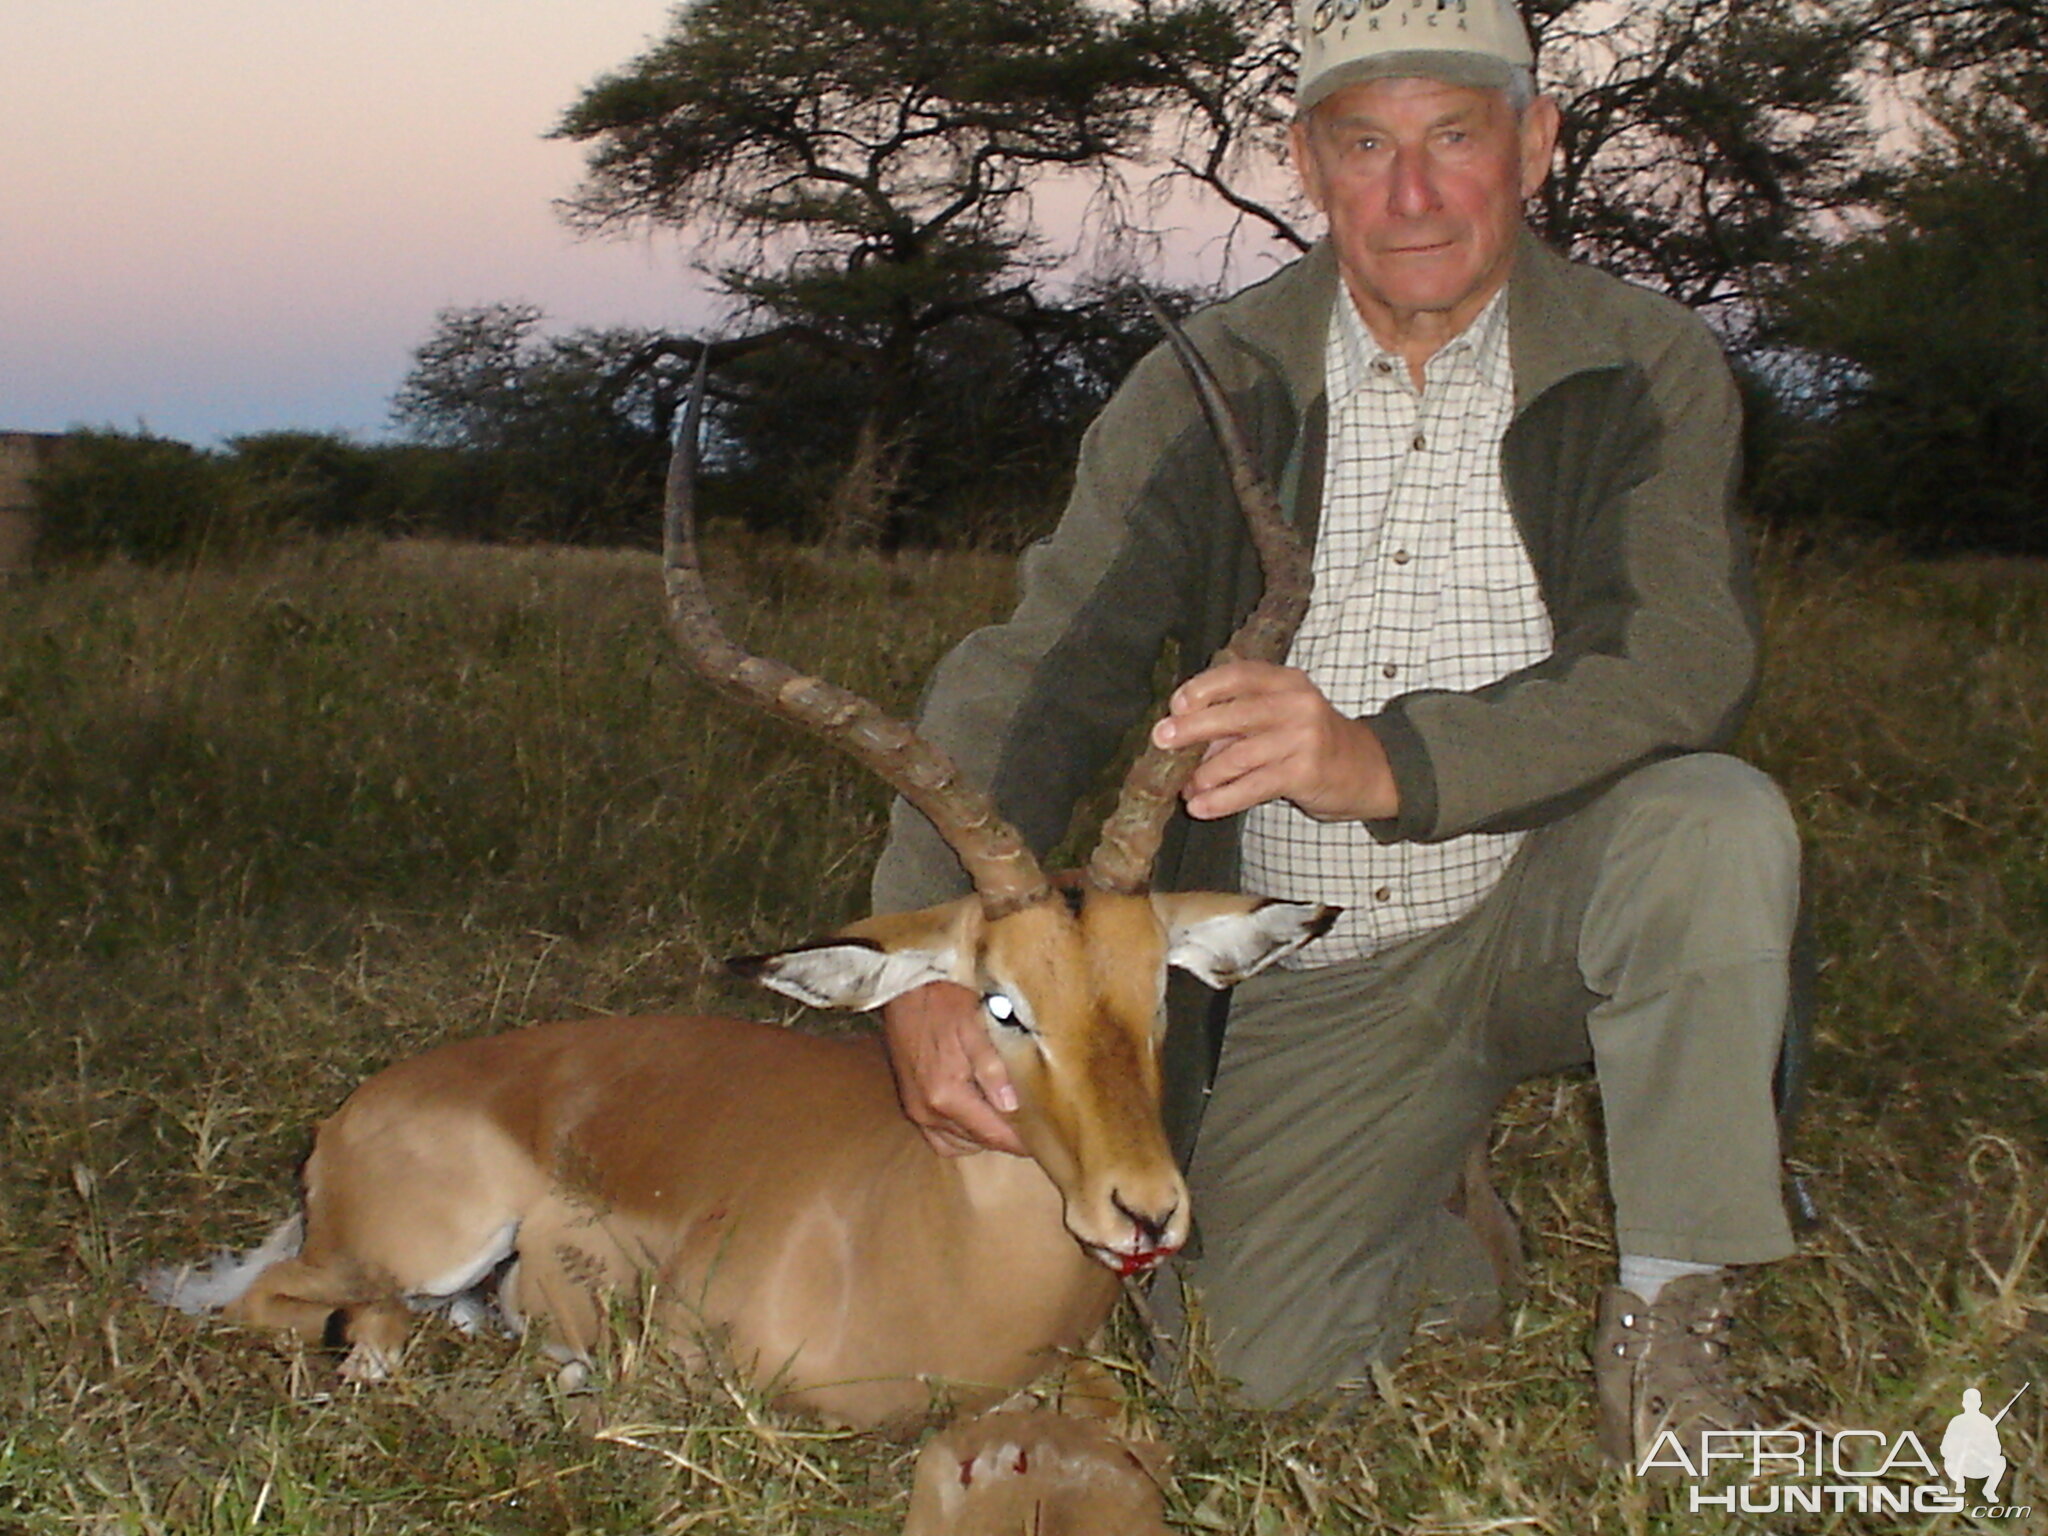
(1382, 365)
(1389, 670)
(1384, 893)
(1420, 443)
(1402, 557)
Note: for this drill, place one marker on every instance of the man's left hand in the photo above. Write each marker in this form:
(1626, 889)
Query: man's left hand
(1269, 734)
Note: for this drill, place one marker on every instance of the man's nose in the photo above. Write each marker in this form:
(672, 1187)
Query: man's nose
(1413, 193)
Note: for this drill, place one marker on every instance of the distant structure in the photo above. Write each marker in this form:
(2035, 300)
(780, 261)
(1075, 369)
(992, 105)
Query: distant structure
(23, 455)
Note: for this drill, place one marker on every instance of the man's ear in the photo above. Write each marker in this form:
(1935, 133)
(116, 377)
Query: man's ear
(1223, 939)
(1539, 127)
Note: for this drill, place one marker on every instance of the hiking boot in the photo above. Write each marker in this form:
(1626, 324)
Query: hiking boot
(1663, 1367)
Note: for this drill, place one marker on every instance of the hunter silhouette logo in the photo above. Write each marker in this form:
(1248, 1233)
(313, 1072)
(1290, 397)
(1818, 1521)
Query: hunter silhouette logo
(1969, 1446)
(1868, 1471)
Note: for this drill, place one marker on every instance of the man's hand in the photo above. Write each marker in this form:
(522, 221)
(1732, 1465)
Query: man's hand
(950, 1080)
(1269, 734)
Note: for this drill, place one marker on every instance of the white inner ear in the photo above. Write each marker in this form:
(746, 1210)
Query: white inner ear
(1225, 949)
(854, 975)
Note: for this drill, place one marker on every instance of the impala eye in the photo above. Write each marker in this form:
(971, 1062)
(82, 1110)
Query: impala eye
(1002, 1010)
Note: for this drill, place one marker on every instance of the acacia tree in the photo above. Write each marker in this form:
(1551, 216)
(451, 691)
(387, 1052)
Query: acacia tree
(859, 173)
(1704, 142)
(568, 431)
(491, 378)
(1942, 38)
(1707, 143)
(1920, 344)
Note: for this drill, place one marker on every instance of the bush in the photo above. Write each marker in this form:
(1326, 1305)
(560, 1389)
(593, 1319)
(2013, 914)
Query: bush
(147, 498)
(155, 501)
(1915, 398)
(315, 482)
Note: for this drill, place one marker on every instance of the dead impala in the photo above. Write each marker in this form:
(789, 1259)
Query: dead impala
(762, 1183)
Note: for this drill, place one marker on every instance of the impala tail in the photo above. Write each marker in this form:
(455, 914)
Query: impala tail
(198, 1290)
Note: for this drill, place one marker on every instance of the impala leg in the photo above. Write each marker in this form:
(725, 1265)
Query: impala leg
(1087, 1389)
(569, 1262)
(330, 1303)
(381, 1225)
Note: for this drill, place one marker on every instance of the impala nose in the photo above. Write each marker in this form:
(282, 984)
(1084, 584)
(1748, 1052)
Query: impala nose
(1151, 1227)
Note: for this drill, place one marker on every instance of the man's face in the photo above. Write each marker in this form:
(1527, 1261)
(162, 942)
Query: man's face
(1422, 184)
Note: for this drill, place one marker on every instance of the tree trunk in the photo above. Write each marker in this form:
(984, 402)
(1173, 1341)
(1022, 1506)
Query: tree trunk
(858, 508)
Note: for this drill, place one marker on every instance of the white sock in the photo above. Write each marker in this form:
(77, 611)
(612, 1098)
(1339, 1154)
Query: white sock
(1646, 1277)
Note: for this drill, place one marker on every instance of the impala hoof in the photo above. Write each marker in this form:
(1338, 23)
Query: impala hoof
(366, 1365)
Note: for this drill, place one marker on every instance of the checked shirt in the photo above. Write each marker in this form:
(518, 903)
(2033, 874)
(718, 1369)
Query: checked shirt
(1421, 582)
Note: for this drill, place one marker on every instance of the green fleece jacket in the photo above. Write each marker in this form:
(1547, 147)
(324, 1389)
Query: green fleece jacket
(1620, 464)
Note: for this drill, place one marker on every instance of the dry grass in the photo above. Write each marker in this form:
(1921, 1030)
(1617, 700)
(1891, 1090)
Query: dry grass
(262, 830)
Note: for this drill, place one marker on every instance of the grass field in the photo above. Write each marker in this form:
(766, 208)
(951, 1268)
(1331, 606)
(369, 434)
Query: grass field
(265, 829)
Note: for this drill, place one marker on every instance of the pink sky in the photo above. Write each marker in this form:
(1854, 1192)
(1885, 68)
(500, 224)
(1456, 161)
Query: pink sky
(243, 215)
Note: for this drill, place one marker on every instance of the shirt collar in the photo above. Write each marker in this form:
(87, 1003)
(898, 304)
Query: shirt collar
(1357, 359)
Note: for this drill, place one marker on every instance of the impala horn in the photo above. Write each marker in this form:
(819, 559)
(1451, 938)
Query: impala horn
(995, 857)
(1124, 854)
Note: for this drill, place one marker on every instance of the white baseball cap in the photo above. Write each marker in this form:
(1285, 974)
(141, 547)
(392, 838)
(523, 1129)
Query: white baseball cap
(1460, 42)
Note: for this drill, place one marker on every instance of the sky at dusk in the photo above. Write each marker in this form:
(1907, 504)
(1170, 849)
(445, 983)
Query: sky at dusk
(243, 215)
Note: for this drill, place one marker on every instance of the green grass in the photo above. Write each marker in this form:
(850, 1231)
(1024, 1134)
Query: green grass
(264, 829)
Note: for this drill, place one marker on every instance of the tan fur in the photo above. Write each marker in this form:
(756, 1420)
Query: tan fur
(1035, 1472)
(765, 1183)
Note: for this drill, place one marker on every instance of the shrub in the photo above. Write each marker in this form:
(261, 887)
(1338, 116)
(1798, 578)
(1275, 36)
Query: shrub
(317, 482)
(148, 498)
(1918, 389)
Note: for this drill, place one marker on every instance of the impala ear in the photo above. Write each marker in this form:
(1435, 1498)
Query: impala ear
(871, 962)
(1224, 939)
(854, 974)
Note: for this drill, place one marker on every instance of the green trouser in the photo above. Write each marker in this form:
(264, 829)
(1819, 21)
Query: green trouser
(1647, 934)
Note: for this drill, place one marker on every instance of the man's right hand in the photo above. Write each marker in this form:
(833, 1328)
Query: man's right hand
(949, 1078)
